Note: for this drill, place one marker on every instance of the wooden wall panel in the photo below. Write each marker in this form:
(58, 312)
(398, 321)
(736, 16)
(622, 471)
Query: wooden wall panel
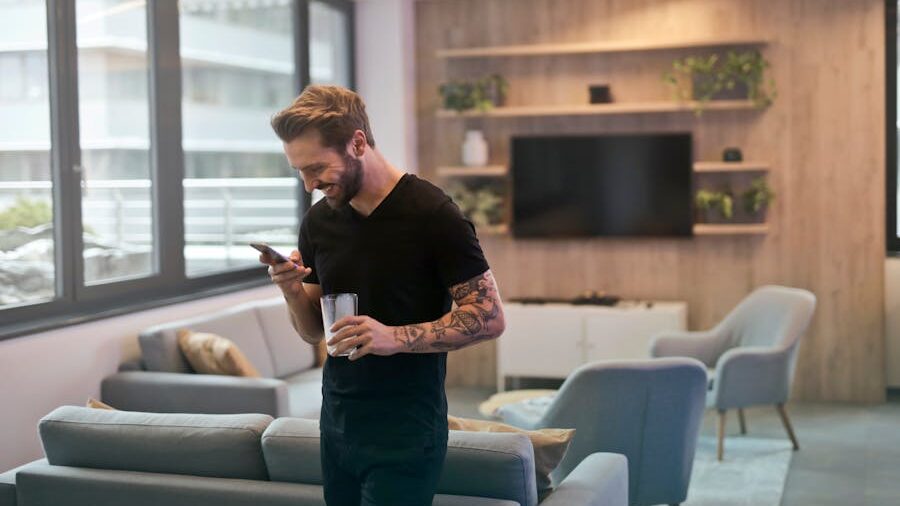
(824, 138)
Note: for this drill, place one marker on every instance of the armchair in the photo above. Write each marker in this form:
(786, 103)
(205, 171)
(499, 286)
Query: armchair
(648, 410)
(751, 353)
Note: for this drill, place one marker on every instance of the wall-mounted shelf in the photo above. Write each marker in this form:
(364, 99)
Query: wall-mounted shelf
(598, 109)
(486, 171)
(594, 47)
(501, 229)
(731, 229)
(731, 167)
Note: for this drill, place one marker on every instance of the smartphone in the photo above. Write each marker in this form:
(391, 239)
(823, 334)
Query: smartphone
(265, 248)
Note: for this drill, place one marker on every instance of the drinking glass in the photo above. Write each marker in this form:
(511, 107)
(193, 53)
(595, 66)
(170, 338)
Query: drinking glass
(334, 307)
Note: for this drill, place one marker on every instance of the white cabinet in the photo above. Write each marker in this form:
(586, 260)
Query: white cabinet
(552, 340)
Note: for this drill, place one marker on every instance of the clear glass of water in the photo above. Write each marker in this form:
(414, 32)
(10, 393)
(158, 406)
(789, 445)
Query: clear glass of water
(334, 307)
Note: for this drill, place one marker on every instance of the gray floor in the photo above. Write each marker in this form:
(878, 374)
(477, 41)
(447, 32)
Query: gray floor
(849, 454)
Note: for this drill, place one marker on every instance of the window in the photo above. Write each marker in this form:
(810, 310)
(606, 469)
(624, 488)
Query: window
(238, 63)
(136, 157)
(27, 242)
(330, 26)
(116, 204)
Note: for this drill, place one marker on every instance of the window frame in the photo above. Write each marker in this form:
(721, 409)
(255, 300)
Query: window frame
(891, 130)
(76, 302)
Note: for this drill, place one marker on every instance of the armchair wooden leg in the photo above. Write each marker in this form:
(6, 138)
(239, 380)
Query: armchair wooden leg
(721, 446)
(742, 420)
(787, 425)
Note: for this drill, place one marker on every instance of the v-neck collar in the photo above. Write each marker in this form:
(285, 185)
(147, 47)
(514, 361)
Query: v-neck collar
(358, 216)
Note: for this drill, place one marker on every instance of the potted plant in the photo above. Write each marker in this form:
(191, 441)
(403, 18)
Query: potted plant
(757, 198)
(482, 94)
(458, 96)
(494, 88)
(714, 77)
(484, 206)
(714, 206)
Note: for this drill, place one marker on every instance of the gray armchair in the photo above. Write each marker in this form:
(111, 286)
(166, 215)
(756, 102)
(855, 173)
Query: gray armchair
(751, 353)
(648, 410)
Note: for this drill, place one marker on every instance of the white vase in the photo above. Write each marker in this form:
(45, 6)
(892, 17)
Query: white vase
(474, 149)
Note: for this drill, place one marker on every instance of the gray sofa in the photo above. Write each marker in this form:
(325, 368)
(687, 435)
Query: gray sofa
(162, 381)
(98, 457)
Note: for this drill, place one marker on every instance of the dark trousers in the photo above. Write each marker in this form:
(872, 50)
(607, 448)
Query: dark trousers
(371, 475)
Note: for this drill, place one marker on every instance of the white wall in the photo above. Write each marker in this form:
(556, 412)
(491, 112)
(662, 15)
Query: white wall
(385, 76)
(43, 371)
(892, 321)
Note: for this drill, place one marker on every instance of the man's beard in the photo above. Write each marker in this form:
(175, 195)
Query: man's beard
(350, 183)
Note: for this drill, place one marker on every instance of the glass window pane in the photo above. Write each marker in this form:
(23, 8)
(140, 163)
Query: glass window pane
(329, 51)
(237, 70)
(27, 269)
(115, 142)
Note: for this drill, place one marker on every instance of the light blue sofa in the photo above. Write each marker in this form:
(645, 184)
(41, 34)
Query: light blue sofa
(104, 458)
(162, 381)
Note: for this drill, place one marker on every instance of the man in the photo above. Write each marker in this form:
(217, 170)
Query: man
(404, 247)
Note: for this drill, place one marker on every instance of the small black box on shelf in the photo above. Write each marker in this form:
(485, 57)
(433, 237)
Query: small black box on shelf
(600, 94)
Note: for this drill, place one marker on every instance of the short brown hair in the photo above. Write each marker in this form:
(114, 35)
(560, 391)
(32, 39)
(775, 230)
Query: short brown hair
(334, 111)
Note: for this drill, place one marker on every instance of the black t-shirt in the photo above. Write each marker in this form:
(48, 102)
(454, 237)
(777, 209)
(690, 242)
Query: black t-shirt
(400, 261)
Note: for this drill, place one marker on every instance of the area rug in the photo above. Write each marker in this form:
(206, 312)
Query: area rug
(752, 474)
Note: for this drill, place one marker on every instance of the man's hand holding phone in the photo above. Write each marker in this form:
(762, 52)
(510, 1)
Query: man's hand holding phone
(288, 272)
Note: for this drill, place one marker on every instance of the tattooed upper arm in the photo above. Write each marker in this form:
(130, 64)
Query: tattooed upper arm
(476, 290)
(479, 309)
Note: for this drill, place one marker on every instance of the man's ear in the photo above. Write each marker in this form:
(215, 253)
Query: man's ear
(358, 143)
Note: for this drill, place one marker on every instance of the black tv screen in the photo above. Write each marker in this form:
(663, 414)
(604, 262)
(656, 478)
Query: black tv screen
(602, 185)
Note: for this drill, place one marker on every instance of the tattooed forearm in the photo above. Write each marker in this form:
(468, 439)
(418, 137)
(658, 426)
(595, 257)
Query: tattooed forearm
(478, 317)
(411, 337)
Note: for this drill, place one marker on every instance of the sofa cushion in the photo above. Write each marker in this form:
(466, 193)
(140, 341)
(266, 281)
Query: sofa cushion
(8, 481)
(290, 353)
(504, 461)
(213, 354)
(223, 446)
(240, 324)
(291, 449)
(305, 393)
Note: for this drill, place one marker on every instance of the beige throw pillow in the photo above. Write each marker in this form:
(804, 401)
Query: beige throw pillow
(550, 445)
(213, 354)
(94, 403)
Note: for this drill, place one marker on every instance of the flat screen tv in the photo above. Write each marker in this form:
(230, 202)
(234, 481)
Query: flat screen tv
(602, 185)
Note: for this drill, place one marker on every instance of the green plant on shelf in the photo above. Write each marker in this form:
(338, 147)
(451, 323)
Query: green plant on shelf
(481, 205)
(710, 201)
(482, 94)
(758, 196)
(703, 78)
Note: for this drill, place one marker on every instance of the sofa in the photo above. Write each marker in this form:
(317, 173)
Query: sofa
(162, 380)
(100, 457)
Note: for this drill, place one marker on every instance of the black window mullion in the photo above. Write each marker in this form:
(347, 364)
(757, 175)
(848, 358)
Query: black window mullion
(167, 155)
(65, 149)
(893, 241)
(301, 78)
